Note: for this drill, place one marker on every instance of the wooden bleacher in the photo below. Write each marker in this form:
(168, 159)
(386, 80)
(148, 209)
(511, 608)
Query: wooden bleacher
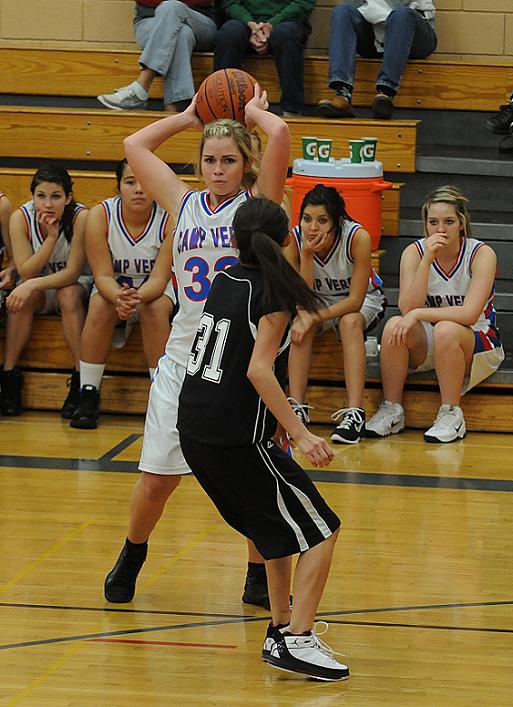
(96, 135)
(430, 83)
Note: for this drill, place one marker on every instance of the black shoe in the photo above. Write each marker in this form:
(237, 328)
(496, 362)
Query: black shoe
(301, 410)
(11, 383)
(256, 592)
(119, 585)
(500, 122)
(86, 413)
(73, 398)
(382, 106)
(273, 636)
(351, 425)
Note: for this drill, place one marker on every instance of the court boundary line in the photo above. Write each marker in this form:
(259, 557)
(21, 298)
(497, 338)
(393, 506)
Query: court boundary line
(363, 478)
(238, 619)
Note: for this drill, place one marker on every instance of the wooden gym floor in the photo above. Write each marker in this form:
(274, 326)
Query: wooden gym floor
(420, 598)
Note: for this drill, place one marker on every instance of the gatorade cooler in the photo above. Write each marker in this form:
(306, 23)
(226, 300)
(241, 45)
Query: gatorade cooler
(360, 185)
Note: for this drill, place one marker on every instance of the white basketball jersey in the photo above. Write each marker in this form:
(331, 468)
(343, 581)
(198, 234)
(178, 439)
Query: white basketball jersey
(201, 248)
(332, 275)
(60, 253)
(448, 289)
(133, 257)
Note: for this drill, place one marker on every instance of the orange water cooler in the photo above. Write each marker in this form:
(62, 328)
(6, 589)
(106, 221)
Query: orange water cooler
(361, 185)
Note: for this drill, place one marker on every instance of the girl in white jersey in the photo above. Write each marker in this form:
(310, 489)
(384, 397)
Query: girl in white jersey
(201, 247)
(47, 238)
(447, 284)
(7, 269)
(123, 237)
(334, 253)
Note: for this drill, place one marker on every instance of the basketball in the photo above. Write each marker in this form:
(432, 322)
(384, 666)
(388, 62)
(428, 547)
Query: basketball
(224, 94)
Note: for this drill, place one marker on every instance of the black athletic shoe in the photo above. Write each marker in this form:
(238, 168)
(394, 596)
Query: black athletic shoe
(351, 425)
(256, 592)
(86, 413)
(501, 121)
(11, 383)
(301, 410)
(273, 635)
(119, 585)
(73, 398)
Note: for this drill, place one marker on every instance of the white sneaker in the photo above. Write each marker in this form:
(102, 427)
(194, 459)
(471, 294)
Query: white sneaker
(131, 97)
(388, 420)
(448, 426)
(307, 655)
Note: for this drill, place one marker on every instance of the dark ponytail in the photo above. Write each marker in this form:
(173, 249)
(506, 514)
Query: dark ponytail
(60, 176)
(261, 228)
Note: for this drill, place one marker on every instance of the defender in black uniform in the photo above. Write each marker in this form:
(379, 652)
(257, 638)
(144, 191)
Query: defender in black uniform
(231, 398)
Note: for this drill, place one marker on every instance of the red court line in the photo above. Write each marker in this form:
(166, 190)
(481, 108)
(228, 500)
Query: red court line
(160, 643)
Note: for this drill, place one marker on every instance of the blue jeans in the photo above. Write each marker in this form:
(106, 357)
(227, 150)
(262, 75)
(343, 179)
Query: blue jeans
(168, 40)
(287, 45)
(407, 36)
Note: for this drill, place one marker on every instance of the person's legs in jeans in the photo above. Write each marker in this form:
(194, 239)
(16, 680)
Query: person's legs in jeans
(287, 44)
(349, 33)
(407, 36)
(168, 44)
(231, 45)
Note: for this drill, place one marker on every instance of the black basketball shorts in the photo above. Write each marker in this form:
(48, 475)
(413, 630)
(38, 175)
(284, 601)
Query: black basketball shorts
(264, 494)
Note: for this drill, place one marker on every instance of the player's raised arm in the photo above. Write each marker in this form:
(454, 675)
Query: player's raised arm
(156, 177)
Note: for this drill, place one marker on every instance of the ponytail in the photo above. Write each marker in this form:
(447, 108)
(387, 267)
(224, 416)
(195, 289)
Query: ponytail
(261, 228)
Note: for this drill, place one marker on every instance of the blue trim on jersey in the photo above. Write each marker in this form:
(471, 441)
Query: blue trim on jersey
(223, 205)
(124, 230)
(108, 211)
(185, 199)
(332, 252)
(349, 242)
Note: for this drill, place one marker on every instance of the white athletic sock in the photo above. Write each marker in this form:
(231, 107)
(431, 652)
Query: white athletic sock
(152, 371)
(91, 374)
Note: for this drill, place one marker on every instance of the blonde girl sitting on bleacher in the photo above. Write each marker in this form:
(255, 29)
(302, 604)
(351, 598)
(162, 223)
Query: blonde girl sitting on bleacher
(123, 238)
(446, 291)
(47, 239)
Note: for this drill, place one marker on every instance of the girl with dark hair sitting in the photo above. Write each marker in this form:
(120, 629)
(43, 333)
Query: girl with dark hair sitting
(47, 239)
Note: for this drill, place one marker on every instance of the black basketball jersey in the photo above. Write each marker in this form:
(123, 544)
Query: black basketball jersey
(218, 404)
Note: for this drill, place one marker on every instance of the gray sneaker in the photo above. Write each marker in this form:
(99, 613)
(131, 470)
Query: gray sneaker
(388, 420)
(126, 98)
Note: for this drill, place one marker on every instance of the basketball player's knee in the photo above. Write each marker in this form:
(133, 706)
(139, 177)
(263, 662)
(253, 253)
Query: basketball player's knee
(158, 488)
(351, 324)
(101, 312)
(69, 298)
(445, 335)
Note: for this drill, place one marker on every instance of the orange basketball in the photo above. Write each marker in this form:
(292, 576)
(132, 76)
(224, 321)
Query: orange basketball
(224, 94)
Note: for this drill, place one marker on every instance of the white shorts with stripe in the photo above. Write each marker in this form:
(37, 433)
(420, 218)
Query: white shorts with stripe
(485, 361)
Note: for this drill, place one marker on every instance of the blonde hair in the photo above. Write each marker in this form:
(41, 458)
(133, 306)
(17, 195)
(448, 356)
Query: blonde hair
(225, 127)
(448, 194)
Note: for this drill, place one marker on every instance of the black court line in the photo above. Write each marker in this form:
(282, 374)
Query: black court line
(237, 618)
(106, 464)
(109, 456)
(209, 624)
